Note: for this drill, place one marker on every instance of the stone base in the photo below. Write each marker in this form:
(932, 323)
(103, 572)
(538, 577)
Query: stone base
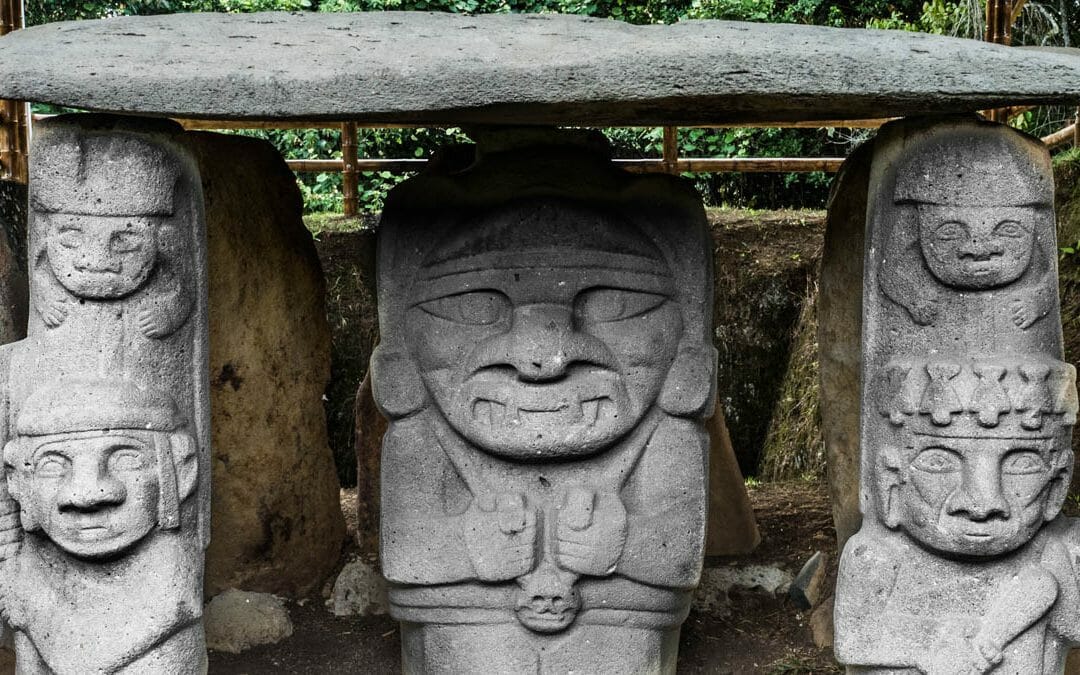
(497, 649)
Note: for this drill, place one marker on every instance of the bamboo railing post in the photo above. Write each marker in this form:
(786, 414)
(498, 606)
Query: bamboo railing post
(13, 121)
(671, 149)
(350, 173)
(1076, 129)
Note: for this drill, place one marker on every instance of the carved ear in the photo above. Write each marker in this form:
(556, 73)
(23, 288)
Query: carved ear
(690, 387)
(16, 484)
(1059, 485)
(395, 383)
(890, 486)
(186, 462)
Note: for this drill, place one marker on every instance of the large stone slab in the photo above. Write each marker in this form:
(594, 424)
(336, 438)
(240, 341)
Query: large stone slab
(534, 69)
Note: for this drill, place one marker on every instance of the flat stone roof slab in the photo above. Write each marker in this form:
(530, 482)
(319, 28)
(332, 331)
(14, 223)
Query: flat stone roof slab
(413, 67)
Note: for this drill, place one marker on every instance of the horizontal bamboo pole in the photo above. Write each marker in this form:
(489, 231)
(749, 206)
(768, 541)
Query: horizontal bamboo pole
(743, 164)
(1066, 135)
(687, 165)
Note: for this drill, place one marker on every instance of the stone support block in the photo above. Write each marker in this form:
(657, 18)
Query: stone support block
(277, 517)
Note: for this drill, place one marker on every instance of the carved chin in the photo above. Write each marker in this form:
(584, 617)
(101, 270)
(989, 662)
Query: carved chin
(574, 417)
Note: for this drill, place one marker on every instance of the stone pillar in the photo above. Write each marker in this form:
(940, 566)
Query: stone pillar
(962, 563)
(105, 409)
(546, 366)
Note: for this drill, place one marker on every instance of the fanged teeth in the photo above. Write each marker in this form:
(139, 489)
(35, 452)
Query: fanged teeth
(589, 409)
(494, 414)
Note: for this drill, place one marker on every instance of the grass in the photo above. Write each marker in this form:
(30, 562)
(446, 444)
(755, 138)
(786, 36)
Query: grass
(318, 223)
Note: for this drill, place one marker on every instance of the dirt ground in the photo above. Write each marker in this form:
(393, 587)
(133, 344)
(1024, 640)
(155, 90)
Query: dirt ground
(762, 634)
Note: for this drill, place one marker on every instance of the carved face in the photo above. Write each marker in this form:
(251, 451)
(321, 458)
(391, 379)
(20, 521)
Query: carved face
(548, 600)
(979, 497)
(101, 257)
(531, 357)
(94, 496)
(977, 247)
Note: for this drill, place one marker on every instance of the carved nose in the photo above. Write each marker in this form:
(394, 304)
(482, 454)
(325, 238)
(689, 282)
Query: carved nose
(88, 490)
(974, 248)
(541, 347)
(979, 497)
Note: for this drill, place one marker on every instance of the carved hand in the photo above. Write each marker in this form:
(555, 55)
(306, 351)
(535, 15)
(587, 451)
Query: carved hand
(53, 311)
(11, 532)
(151, 322)
(956, 653)
(1022, 313)
(590, 532)
(924, 310)
(500, 536)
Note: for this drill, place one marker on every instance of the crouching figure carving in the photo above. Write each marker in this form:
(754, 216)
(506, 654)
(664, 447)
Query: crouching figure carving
(105, 410)
(546, 364)
(963, 564)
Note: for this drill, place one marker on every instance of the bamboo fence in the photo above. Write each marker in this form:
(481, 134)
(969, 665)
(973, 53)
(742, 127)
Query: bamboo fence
(14, 129)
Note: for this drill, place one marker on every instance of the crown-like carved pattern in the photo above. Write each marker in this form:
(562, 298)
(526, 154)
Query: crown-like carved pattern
(992, 397)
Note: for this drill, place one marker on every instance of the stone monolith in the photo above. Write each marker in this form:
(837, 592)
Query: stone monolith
(105, 410)
(962, 563)
(546, 365)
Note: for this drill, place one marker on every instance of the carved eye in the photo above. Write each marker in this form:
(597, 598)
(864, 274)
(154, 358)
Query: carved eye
(601, 305)
(51, 466)
(1009, 228)
(127, 459)
(477, 308)
(70, 236)
(124, 242)
(1023, 462)
(937, 460)
(951, 231)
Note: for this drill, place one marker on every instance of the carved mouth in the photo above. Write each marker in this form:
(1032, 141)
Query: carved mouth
(497, 414)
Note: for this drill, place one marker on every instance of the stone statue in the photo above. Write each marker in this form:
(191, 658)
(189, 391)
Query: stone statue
(963, 564)
(105, 409)
(546, 364)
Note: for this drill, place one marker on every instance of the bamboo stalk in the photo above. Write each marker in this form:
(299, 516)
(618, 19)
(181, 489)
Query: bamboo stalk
(743, 164)
(686, 165)
(350, 175)
(671, 149)
(1066, 135)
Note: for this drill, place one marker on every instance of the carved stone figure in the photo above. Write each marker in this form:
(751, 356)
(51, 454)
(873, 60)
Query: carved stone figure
(105, 407)
(963, 564)
(546, 364)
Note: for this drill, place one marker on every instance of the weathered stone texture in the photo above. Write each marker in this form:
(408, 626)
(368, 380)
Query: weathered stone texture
(840, 338)
(516, 69)
(106, 409)
(546, 362)
(277, 519)
(962, 563)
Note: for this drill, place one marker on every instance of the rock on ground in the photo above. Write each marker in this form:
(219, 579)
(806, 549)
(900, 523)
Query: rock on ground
(276, 522)
(520, 69)
(360, 590)
(239, 620)
(711, 595)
